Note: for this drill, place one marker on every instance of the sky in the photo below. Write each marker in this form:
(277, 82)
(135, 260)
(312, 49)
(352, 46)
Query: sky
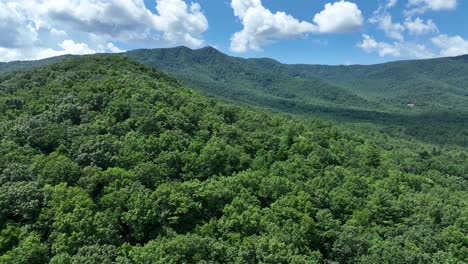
(290, 31)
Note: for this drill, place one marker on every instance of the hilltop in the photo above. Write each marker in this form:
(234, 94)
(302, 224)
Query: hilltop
(426, 100)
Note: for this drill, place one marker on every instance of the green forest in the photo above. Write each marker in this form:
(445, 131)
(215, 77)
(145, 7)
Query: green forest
(106, 160)
(372, 97)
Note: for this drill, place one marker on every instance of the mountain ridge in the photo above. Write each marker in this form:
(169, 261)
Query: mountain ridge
(213, 49)
(427, 99)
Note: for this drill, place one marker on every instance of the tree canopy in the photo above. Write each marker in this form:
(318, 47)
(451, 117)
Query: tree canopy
(105, 160)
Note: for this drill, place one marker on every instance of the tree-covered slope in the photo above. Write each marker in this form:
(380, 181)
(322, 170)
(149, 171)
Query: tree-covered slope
(262, 82)
(430, 84)
(377, 94)
(437, 83)
(25, 65)
(104, 160)
(436, 87)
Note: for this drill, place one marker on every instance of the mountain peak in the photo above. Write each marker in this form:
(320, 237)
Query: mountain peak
(209, 50)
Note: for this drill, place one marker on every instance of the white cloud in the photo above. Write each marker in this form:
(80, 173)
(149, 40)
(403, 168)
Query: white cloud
(122, 19)
(419, 27)
(58, 33)
(451, 45)
(43, 25)
(339, 17)
(262, 27)
(396, 30)
(112, 48)
(70, 47)
(16, 30)
(385, 23)
(179, 23)
(422, 6)
(391, 3)
(241, 7)
(127, 20)
(369, 44)
(65, 47)
(415, 26)
(8, 54)
(395, 49)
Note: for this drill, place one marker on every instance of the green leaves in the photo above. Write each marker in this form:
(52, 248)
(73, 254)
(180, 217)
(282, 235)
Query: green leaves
(20, 201)
(69, 214)
(57, 168)
(30, 250)
(103, 160)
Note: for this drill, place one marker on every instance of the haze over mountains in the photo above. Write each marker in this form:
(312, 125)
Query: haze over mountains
(426, 99)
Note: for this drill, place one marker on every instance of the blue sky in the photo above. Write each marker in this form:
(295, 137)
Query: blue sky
(294, 31)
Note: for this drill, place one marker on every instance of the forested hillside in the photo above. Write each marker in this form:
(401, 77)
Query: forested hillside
(375, 94)
(432, 84)
(425, 100)
(262, 82)
(105, 160)
(25, 65)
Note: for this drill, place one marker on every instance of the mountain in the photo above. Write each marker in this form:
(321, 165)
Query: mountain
(429, 84)
(422, 99)
(24, 65)
(262, 82)
(433, 83)
(106, 160)
(403, 98)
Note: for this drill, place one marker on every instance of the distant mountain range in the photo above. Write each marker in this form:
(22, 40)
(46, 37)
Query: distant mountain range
(428, 84)
(427, 99)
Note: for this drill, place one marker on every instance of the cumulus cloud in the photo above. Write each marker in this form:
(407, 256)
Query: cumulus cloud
(180, 23)
(262, 27)
(451, 45)
(111, 47)
(66, 47)
(369, 44)
(8, 54)
(385, 23)
(422, 6)
(34, 53)
(400, 46)
(119, 19)
(44, 27)
(395, 49)
(58, 33)
(419, 27)
(126, 20)
(15, 28)
(339, 17)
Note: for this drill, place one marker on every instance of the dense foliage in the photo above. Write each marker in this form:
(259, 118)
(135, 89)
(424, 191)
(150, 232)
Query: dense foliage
(376, 94)
(103, 160)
